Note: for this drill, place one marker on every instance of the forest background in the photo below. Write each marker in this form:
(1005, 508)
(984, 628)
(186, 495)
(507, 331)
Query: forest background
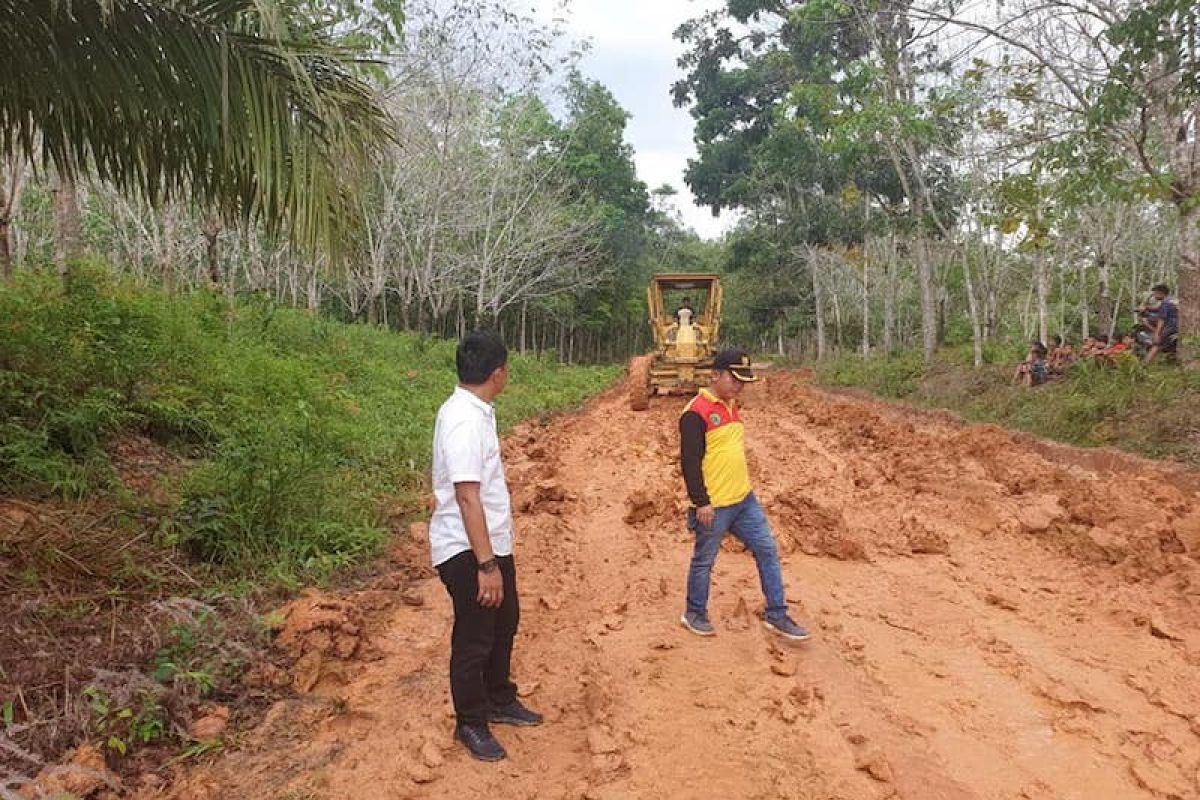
(907, 175)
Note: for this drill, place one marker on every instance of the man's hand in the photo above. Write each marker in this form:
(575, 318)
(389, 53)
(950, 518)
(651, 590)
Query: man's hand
(491, 589)
(705, 515)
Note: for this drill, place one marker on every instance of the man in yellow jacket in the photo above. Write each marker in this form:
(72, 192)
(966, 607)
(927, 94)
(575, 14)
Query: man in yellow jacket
(713, 455)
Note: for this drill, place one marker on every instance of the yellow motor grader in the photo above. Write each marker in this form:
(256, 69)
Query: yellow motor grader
(685, 320)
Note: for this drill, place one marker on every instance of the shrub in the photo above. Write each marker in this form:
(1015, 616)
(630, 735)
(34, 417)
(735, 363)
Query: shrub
(304, 428)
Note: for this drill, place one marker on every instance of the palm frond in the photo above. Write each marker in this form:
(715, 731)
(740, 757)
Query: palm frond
(204, 98)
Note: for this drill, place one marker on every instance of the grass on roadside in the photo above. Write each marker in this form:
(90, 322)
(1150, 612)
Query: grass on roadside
(300, 429)
(1150, 410)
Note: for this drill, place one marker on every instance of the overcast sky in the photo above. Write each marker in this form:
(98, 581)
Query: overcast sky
(633, 54)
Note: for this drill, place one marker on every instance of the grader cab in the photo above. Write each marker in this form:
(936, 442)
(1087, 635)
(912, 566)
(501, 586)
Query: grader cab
(685, 320)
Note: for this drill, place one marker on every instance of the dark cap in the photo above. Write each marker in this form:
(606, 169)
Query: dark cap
(736, 363)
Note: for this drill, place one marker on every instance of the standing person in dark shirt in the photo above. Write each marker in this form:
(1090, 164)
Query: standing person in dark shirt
(1166, 325)
(713, 456)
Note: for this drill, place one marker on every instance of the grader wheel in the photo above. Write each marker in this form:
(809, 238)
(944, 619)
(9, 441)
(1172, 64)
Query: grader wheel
(639, 383)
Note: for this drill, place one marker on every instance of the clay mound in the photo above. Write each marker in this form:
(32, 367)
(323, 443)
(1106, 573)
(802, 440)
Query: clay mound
(924, 538)
(546, 496)
(323, 634)
(816, 529)
(644, 507)
(82, 775)
(321, 624)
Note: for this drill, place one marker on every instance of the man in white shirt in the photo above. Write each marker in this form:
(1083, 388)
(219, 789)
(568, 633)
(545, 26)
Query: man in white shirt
(470, 537)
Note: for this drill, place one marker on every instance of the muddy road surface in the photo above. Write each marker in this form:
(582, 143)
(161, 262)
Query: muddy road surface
(993, 617)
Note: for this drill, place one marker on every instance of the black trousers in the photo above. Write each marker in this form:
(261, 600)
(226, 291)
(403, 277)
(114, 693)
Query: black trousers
(482, 643)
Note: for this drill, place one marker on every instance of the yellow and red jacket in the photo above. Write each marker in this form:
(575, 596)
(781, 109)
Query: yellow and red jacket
(712, 451)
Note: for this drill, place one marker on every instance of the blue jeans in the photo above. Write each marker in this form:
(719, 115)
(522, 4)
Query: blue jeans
(748, 523)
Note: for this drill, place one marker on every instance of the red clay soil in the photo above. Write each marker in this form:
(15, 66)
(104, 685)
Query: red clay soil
(993, 618)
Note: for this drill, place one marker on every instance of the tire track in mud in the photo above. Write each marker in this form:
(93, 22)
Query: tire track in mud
(991, 620)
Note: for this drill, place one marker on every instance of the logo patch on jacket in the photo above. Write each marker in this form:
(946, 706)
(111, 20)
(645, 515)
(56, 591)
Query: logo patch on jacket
(715, 419)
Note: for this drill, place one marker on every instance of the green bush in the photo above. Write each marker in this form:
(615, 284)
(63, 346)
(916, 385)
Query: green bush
(895, 377)
(304, 428)
(1148, 409)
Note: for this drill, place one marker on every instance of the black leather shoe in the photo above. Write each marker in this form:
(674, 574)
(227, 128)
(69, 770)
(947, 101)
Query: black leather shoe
(515, 714)
(479, 742)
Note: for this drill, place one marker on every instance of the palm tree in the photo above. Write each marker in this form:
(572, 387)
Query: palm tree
(228, 102)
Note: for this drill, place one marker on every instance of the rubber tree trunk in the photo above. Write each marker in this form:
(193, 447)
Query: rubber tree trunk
(1042, 277)
(5, 249)
(524, 320)
(866, 312)
(889, 305)
(212, 252)
(68, 229)
(167, 253)
(973, 309)
(1084, 315)
(1104, 276)
(1189, 270)
(818, 303)
(928, 300)
(12, 182)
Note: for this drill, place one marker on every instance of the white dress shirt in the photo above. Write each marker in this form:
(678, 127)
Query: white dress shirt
(466, 449)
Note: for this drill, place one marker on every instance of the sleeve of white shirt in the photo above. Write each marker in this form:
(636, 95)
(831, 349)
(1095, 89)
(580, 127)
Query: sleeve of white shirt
(463, 451)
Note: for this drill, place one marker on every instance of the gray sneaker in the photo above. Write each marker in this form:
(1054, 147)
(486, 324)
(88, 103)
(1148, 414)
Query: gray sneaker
(697, 623)
(787, 628)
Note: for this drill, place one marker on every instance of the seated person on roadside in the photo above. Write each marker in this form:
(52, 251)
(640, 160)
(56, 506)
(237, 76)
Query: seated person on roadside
(1143, 338)
(1165, 328)
(1120, 344)
(1032, 371)
(1113, 352)
(1099, 346)
(1129, 347)
(1061, 356)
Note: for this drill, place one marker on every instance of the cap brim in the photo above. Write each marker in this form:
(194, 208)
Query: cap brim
(744, 378)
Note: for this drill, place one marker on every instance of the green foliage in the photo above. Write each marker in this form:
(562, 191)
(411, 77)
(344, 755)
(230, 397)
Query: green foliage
(304, 429)
(192, 660)
(232, 100)
(827, 125)
(198, 750)
(895, 377)
(125, 727)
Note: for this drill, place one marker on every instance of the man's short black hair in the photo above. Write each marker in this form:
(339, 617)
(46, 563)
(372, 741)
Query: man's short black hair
(1058, 340)
(1102, 337)
(480, 353)
(1161, 287)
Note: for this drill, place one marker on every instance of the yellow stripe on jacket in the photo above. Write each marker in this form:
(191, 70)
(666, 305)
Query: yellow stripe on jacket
(726, 475)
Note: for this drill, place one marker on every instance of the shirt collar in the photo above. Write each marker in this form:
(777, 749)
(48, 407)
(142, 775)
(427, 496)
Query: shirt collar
(474, 400)
(715, 399)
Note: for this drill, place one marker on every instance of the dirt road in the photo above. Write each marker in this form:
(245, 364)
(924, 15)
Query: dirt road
(993, 618)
